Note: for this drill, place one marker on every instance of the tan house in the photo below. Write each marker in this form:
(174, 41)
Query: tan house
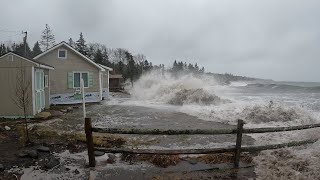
(70, 67)
(22, 77)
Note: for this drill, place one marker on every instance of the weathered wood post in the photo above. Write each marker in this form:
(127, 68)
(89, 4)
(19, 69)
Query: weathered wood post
(88, 131)
(238, 143)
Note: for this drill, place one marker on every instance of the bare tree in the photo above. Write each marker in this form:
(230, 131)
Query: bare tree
(23, 96)
(47, 38)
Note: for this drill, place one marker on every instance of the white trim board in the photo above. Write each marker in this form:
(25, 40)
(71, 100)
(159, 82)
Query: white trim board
(75, 51)
(105, 67)
(33, 92)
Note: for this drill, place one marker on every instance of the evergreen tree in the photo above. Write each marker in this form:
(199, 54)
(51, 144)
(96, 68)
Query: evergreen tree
(175, 66)
(71, 43)
(23, 49)
(47, 38)
(81, 45)
(196, 68)
(36, 49)
(3, 49)
(98, 57)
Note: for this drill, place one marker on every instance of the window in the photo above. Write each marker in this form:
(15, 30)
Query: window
(80, 75)
(46, 81)
(62, 53)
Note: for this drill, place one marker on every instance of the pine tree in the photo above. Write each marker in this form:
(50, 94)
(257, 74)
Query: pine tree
(71, 43)
(3, 49)
(23, 49)
(47, 38)
(81, 45)
(98, 57)
(36, 49)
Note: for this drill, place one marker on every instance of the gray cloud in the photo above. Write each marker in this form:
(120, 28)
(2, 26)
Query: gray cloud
(267, 38)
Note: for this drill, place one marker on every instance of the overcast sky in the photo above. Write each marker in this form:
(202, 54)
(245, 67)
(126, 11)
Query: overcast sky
(272, 39)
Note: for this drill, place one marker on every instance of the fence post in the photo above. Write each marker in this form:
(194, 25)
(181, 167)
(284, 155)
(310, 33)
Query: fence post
(238, 143)
(88, 131)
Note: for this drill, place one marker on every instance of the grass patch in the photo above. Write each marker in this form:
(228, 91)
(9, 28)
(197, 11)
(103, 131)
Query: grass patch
(158, 160)
(223, 158)
(103, 140)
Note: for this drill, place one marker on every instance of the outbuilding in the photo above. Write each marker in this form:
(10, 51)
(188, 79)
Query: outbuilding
(25, 86)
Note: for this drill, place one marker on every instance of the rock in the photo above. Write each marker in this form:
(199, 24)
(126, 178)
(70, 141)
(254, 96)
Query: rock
(23, 154)
(52, 163)
(43, 115)
(111, 159)
(76, 171)
(99, 153)
(33, 154)
(67, 169)
(43, 149)
(63, 110)
(69, 109)
(7, 128)
(56, 113)
(1, 167)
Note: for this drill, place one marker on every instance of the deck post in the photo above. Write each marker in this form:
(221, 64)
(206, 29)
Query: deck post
(238, 144)
(88, 131)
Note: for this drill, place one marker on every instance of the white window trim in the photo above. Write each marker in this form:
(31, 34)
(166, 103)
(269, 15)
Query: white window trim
(80, 78)
(46, 81)
(62, 57)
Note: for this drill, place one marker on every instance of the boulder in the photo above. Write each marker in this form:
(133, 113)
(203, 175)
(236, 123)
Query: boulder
(33, 154)
(76, 171)
(7, 128)
(63, 110)
(52, 163)
(111, 159)
(23, 154)
(43, 149)
(99, 153)
(1, 167)
(69, 109)
(43, 115)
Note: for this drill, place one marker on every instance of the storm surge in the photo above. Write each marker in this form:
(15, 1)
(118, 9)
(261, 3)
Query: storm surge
(203, 97)
(176, 89)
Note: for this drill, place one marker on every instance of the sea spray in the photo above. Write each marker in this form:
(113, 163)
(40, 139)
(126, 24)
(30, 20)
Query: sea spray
(175, 89)
(195, 96)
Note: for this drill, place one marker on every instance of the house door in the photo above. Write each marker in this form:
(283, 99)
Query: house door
(39, 82)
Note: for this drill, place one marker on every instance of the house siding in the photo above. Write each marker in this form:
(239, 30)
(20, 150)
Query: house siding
(8, 79)
(73, 62)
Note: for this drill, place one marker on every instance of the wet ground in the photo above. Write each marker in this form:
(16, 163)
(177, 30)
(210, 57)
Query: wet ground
(123, 115)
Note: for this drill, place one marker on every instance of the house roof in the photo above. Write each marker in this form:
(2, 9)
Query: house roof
(105, 67)
(74, 50)
(41, 65)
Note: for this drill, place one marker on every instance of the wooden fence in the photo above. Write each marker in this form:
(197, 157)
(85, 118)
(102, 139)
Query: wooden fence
(237, 149)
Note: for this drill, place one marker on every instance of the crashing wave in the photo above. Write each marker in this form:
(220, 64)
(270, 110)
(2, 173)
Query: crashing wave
(178, 90)
(195, 96)
(274, 113)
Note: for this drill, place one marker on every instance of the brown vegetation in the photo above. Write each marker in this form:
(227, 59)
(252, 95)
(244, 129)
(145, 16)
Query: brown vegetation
(158, 160)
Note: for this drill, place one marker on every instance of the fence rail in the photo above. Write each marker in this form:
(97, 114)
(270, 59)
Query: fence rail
(237, 149)
(200, 131)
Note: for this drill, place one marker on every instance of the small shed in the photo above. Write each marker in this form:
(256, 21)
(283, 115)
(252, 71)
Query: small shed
(24, 84)
(115, 82)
